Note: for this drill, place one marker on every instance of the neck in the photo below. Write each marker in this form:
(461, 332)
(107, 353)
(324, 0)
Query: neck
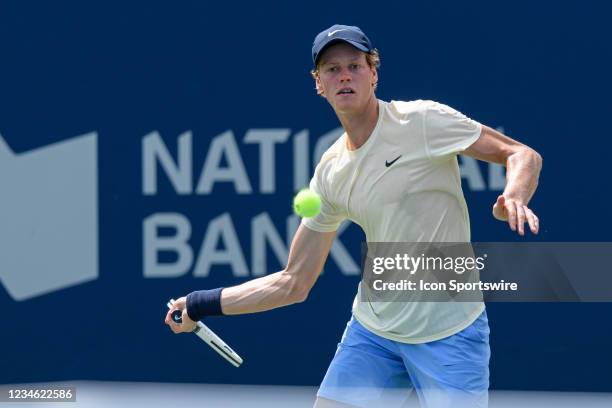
(359, 125)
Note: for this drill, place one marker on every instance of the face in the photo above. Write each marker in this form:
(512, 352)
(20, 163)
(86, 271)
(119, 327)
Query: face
(345, 79)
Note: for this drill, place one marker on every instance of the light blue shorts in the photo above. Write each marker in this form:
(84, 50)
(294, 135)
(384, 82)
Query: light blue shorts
(371, 371)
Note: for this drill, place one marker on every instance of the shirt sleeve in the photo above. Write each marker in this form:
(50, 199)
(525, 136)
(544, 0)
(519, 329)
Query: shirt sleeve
(447, 131)
(330, 217)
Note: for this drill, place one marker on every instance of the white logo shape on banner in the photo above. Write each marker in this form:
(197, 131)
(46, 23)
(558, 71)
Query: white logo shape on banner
(48, 217)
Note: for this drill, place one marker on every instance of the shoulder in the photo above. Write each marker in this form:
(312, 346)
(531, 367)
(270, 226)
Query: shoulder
(412, 110)
(416, 107)
(430, 113)
(407, 108)
(324, 170)
(330, 156)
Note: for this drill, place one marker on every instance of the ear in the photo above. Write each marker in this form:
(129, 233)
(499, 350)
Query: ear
(374, 76)
(319, 86)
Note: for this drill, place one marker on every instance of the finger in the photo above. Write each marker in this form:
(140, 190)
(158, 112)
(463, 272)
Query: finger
(499, 210)
(501, 201)
(521, 218)
(532, 219)
(510, 207)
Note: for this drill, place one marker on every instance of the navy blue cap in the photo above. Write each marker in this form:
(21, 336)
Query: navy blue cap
(349, 34)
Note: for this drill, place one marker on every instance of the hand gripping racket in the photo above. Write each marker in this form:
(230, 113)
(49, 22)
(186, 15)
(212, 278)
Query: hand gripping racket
(214, 341)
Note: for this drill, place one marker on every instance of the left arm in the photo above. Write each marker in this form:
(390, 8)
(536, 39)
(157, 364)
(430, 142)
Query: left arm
(523, 165)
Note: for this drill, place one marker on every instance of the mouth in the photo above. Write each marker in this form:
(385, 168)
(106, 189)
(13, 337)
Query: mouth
(345, 91)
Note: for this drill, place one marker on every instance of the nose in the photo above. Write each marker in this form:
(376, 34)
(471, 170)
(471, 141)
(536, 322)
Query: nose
(345, 75)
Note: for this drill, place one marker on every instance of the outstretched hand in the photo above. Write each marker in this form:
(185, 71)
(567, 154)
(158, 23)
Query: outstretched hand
(516, 213)
(187, 325)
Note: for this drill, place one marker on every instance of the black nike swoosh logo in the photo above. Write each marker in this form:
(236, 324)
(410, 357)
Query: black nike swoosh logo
(389, 163)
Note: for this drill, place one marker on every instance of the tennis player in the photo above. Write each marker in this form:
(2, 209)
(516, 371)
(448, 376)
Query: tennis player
(394, 172)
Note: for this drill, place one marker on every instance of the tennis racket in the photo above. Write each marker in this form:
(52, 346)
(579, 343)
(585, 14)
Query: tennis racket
(214, 341)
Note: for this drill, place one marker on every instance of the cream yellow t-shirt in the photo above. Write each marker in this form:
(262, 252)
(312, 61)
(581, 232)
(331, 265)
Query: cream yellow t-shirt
(418, 198)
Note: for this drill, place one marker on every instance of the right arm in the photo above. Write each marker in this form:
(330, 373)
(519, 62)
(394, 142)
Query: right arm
(307, 255)
(309, 250)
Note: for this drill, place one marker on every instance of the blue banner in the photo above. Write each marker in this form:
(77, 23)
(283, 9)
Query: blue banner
(151, 149)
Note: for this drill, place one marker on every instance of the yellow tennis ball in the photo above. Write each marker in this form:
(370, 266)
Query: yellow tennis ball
(307, 203)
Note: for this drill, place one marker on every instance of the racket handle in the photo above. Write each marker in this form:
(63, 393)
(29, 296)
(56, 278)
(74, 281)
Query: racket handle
(177, 316)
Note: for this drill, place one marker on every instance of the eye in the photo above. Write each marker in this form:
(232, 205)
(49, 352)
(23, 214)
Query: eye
(332, 69)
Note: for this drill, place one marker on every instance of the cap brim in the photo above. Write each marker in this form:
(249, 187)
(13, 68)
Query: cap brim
(333, 41)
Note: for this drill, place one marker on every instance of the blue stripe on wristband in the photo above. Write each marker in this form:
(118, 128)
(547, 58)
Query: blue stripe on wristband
(202, 303)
